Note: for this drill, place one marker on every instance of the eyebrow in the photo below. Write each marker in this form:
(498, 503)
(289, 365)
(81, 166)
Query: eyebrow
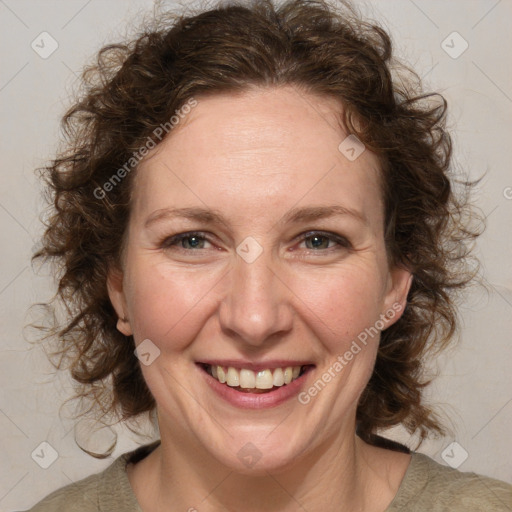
(311, 213)
(199, 214)
(294, 216)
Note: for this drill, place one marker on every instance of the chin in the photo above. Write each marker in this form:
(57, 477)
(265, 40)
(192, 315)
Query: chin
(260, 452)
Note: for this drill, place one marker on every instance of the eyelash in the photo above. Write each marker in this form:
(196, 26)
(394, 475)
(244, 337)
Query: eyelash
(342, 242)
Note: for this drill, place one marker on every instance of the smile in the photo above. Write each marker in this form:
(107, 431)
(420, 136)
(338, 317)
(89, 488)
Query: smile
(257, 387)
(249, 381)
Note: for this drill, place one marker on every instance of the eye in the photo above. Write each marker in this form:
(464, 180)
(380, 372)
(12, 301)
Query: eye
(192, 240)
(321, 241)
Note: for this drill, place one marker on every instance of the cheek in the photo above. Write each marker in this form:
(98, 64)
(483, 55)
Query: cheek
(342, 303)
(172, 306)
(168, 304)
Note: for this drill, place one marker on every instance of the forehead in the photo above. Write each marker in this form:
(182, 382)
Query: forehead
(258, 150)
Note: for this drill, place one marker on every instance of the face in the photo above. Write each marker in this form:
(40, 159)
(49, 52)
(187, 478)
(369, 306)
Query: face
(255, 253)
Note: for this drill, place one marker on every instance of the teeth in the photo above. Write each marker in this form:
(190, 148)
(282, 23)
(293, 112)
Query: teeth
(278, 377)
(247, 379)
(264, 380)
(233, 377)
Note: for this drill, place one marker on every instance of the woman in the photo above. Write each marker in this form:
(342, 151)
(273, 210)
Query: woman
(260, 242)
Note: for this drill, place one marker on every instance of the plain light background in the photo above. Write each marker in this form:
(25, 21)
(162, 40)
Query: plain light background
(474, 389)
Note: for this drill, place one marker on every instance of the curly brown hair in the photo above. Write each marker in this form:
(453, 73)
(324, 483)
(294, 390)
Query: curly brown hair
(134, 88)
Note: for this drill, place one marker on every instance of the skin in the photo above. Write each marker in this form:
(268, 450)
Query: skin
(253, 157)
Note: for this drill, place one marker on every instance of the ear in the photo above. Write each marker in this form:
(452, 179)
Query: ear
(399, 284)
(118, 300)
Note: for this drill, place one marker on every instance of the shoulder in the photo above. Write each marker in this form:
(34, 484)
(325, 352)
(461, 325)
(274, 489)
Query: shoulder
(108, 490)
(428, 485)
(81, 496)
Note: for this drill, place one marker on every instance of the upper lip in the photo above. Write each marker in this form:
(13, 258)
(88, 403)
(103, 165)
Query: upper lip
(256, 365)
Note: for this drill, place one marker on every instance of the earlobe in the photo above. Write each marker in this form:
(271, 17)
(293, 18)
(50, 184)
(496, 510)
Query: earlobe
(396, 299)
(117, 298)
(123, 326)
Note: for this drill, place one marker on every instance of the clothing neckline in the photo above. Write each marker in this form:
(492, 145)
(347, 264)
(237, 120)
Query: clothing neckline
(413, 482)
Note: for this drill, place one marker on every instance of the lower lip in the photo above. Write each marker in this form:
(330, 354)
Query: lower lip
(245, 400)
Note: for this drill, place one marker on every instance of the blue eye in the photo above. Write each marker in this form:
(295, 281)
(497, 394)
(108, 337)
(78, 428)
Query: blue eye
(320, 240)
(188, 241)
(315, 241)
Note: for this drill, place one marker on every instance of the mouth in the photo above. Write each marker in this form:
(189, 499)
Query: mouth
(255, 381)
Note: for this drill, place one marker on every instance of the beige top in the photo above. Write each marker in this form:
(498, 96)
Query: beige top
(426, 486)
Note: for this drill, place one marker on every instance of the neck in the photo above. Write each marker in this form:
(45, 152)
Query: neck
(181, 475)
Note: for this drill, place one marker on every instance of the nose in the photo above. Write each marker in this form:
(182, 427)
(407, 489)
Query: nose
(256, 307)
